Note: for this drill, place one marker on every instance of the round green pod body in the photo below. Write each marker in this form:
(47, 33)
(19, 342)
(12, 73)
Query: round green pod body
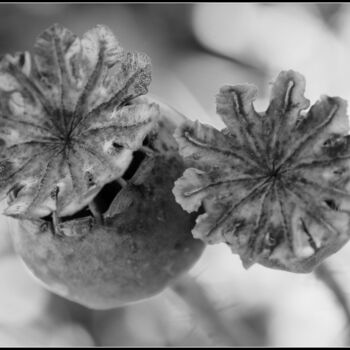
(142, 242)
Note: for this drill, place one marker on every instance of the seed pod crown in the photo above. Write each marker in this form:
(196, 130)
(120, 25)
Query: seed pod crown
(274, 185)
(68, 124)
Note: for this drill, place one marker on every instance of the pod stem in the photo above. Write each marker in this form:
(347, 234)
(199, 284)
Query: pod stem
(188, 289)
(325, 274)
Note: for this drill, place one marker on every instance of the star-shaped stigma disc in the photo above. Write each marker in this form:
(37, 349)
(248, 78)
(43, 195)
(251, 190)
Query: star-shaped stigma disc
(68, 119)
(274, 186)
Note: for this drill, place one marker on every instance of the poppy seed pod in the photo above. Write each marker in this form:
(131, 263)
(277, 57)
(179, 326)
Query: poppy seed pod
(88, 166)
(274, 185)
(140, 244)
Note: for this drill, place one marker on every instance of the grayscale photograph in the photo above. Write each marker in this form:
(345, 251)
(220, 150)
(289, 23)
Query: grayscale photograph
(174, 174)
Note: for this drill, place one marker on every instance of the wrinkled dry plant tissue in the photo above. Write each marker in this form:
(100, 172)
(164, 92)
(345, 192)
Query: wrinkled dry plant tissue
(115, 195)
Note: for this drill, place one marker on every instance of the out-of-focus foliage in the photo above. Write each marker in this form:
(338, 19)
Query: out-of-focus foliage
(195, 49)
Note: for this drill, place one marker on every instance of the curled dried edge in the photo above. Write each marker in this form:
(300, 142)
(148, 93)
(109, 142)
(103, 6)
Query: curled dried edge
(69, 120)
(274, 185)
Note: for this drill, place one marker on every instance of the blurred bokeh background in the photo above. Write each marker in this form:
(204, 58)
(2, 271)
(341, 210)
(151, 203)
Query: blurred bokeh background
(195, 49)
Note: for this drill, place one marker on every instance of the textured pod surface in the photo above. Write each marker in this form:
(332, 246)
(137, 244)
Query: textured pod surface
(144, 243)
(67, 121)
(274, 185)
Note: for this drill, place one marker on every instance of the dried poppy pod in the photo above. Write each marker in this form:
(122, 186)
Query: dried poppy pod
(140, 242)
(88, 166)
(67, 125)
(274, 185)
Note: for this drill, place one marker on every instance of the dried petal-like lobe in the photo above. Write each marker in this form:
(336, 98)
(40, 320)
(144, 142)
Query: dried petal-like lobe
(274, 186)
(235, 106)
(68, 121)
(202, 144)
(192, 180)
